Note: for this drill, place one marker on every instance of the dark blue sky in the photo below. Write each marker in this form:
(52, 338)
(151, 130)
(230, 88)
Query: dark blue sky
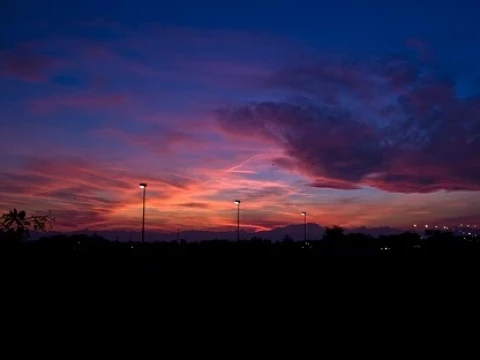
(450, 28)
(332, 21)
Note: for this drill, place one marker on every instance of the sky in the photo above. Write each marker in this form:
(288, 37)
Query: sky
(359, 113)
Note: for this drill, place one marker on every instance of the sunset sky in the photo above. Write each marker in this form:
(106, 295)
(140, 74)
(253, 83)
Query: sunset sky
(357, 112)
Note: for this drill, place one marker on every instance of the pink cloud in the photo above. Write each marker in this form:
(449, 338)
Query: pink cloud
(159, 141)
(86, 194)
(381, 124)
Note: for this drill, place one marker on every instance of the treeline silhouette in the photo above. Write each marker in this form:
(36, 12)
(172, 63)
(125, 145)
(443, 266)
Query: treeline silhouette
(81, 254)
(94, 253)
(100, 261)
(334, 242)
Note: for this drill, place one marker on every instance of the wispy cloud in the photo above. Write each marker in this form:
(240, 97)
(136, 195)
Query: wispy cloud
(85, 120)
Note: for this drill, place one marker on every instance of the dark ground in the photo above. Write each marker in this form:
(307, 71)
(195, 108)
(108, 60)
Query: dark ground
(83, 256)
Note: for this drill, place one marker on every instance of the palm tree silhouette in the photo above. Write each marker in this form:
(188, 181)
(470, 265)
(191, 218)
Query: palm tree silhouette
(15, 220)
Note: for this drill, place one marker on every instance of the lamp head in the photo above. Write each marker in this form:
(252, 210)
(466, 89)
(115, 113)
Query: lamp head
(143, 185)
(303, 213)
(237, 202)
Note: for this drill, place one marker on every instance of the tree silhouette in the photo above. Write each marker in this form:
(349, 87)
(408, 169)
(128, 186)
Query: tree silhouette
(17, 224)
(334, 233)
(287, 238)
(15, 220)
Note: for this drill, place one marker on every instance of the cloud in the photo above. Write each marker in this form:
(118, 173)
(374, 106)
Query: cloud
(334, 184)
(266, 193)
(195, 205)
(94, 190)
(158, 139)
(98, 194)
(86, 101)
(388, 123)
(343, 125)
(25, 62)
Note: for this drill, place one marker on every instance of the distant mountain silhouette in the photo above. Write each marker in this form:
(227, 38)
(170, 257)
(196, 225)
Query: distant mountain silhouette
(314, 231)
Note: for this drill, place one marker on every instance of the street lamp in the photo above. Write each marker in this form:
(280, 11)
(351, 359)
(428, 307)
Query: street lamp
(237, 202)
(144, 187)
(304, 214)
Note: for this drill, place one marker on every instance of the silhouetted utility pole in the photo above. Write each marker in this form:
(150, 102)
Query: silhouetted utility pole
(238, 218)
(144, 187)
(304, 214)
(178, 236)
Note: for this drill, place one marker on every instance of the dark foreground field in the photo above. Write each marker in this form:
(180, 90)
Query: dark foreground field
(84, 255)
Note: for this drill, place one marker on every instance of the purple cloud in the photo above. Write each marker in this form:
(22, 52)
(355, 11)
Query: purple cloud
(390, 123)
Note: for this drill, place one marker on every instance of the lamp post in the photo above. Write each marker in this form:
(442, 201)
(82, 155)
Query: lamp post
(237, 202)
(304, 214)
(144, 187)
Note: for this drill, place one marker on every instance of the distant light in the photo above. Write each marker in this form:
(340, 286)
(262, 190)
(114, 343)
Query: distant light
(436, 226)
(236, 202)
(426, 226)
(143, 185)
(303, 213)
(79, 243)
(468, 225)
(414, 225)
(131, 247)
(469, 233)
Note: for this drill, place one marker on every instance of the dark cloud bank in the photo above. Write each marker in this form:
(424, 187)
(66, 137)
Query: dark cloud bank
(392, 124)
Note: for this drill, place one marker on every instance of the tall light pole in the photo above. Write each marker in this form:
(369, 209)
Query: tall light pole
(144, 187)
(237, 202)
(304, 214)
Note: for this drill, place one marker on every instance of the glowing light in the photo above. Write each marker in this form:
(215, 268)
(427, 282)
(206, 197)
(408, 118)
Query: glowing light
(143, 185)
(236, 202)
(303, 213)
